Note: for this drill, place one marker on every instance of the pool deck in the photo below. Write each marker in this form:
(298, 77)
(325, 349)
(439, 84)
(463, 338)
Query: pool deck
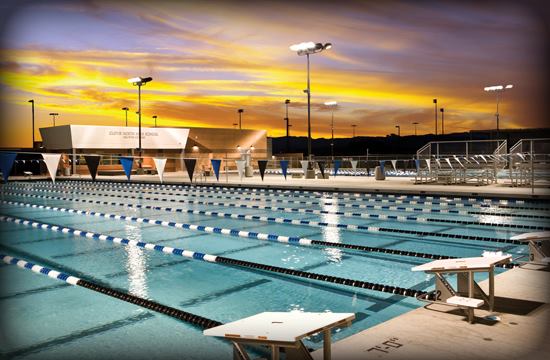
(400, 185)
(521, 332)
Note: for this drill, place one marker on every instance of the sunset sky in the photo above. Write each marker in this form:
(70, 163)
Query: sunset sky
(208, 59)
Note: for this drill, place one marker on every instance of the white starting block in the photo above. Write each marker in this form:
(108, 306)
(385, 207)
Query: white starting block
(467, 288)
(539, 246)
(281, 330)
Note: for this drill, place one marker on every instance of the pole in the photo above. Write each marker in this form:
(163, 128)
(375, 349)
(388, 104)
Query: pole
(532, 172)
(332, 131)
(442, 121)
(287, 126)
(139, 119)
(32, 104)
(308, 114)
(435, 107)
(497, 115)
(126, 117)
(240, 113)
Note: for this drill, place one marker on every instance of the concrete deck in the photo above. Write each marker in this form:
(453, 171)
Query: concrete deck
(521, 331)
(404, 185)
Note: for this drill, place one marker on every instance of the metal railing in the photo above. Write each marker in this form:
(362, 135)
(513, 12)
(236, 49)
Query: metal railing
(530, 162)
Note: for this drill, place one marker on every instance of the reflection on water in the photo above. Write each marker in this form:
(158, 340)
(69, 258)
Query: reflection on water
(136, 264)
(331, 233)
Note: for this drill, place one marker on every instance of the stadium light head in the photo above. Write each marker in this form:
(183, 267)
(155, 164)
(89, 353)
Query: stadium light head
(306, 48)
(140, 80)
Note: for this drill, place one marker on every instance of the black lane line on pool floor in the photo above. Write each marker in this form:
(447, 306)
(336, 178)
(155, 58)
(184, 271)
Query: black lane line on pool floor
(78, 335)
(223, 260)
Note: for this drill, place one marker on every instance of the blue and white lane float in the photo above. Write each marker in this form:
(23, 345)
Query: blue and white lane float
(350, 227)
(296, 191)
(179, 187)
(262, 236)
(324, 196)
(349, 206)
(299, 210)
(218, 259)
(148, 304)
(326, 201)
(286, 240)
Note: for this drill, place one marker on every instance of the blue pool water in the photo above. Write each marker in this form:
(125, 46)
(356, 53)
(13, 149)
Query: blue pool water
(47, 318)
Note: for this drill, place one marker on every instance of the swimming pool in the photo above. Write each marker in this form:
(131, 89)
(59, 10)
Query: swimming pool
(246, 251)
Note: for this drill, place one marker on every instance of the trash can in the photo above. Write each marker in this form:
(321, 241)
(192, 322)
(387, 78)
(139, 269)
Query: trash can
(379, 174)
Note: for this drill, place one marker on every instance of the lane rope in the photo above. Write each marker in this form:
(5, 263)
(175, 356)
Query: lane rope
(295, 221)
(261, 236)
(286, 200)
(219, 259)
(117, 183)
(185, 316)
(324, 244)
(354, 206)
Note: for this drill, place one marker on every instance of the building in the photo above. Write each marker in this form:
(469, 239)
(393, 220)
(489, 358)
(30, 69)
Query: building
(174, 144)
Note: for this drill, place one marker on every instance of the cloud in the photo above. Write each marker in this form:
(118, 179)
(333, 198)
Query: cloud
(388, 62)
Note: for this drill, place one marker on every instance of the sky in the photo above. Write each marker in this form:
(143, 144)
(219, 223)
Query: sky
(208, 59)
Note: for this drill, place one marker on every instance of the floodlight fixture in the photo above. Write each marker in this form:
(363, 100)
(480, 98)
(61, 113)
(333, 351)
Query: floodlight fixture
(139, 82)
(308, 48)
(498, 89)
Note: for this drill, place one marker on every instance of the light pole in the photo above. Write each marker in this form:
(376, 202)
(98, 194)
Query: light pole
(415, 123)
(442, 121)
(235, 125)
(353, 126)
(53, 115)
(32, 104)
(307, 48)
(498, 89)
(139, 82)
(332, 105)
(240, 111)
(287, 101)
(155, 117)
(435, 107)
(398, 130)
(126, 110)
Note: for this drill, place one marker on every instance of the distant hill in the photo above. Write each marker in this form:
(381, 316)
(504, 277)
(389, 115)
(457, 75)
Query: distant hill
(393, 144)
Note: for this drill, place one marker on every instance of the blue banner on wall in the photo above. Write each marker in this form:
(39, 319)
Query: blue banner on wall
(382, 162)
(417, 163)
(337, 164)
(284, 167)
(6, 163)
(127, 163)
(216, 167)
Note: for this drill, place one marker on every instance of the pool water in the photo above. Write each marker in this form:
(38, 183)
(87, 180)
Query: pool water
(47, 318)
